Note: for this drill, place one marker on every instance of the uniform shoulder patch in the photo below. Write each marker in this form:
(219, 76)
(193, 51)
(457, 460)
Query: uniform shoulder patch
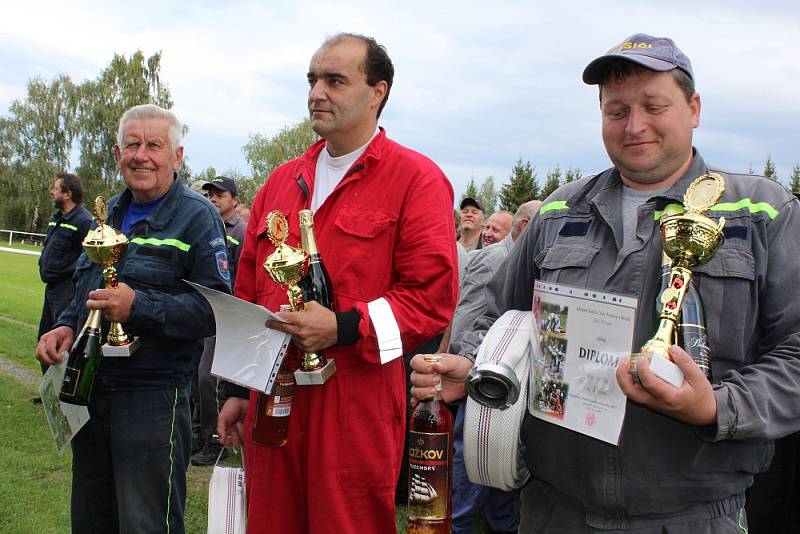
(222, 264)
(216, 242)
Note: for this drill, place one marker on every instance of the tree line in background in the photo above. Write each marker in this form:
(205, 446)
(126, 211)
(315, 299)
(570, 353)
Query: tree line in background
(523, 185)
(59, 118)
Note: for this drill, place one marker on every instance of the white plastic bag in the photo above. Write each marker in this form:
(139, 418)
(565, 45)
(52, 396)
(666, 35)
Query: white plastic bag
(227, 502)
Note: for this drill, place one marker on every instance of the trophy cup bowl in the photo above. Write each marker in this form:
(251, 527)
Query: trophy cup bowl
(691, 239)
(104, 246)
(286, 266)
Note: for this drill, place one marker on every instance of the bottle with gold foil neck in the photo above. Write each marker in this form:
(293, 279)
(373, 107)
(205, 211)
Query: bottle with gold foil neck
(430, 465)
(316, 284)
(83, 363)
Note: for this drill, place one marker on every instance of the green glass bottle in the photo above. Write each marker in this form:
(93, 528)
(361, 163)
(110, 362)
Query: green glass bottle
(83, 362)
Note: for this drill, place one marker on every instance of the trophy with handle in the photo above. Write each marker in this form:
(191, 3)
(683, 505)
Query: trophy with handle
(104, 245)
(690, 239)
(287, 265)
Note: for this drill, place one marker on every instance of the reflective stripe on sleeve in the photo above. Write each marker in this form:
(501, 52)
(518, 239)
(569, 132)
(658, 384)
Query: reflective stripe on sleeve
(232, 240)
(555, 205)
(69, 227)
(161, 242)
(389, 344)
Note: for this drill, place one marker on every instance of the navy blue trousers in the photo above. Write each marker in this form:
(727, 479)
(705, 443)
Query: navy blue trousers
(129, 463)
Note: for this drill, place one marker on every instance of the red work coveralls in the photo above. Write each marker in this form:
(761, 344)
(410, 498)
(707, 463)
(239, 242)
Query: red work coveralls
(386, 231)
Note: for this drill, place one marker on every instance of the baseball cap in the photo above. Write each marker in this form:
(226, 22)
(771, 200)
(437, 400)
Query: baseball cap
(469, 201)
(654, 53)
(223, 183)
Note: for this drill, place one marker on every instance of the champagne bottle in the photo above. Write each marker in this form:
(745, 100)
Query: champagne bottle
(430, 466)
(316, 284)
(83, 362)
(692, 335)
(691, 329)
(271, 424)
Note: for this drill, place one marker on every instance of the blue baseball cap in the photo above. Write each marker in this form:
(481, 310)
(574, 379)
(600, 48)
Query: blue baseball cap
(655, 53)
(223, 183)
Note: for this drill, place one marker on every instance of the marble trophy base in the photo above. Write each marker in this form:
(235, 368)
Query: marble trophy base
(662, 368)
(121, 351)
(316, 377)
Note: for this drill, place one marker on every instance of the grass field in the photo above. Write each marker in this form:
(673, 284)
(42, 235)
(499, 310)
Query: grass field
(35, 488)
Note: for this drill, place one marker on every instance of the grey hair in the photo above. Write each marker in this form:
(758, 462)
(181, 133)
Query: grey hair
(527, 211)
(152, 111)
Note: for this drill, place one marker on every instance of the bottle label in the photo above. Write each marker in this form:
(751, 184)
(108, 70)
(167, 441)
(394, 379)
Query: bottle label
(428, 478)
(694, 341)
(279, 406)
(71, 378)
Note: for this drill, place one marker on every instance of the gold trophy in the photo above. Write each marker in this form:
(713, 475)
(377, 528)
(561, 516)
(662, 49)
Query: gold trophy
(287, 265)
(104, 245)
(689, 239)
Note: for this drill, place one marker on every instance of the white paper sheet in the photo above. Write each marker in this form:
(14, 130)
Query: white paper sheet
(246, 352)
(583, 335)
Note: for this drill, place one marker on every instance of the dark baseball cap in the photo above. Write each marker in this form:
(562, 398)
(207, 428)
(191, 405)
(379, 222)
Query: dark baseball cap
(654, 53)
(223, 183)
(469, 201)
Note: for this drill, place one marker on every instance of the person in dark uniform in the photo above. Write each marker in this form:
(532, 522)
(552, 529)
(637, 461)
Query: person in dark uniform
(62, 246)
(206, 397)
(129, 460)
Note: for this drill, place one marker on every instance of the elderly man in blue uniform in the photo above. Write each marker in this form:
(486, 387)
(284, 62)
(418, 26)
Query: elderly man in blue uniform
(129, 461)
(62, 246)
(685, 455)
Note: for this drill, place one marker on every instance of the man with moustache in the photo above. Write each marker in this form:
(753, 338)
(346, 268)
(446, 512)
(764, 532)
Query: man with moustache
(384, 226)
(62, 246)
(685, 455)
(129, 460)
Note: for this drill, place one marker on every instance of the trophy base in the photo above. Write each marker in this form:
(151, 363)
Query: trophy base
(316, 377)
(121, 351)
(661, 367)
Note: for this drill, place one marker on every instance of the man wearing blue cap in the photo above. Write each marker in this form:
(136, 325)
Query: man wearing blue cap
(685, 455)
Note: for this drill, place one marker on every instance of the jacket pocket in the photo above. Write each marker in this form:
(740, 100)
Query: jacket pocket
(362, 260)
(149, 272)
(567, 263)
(727, 290)
(365, 224)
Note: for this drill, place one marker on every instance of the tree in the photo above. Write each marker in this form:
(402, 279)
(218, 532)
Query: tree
(264, 154)
(206, 175)
(124, 83)
(552, 182)
(471, 191)
(35, 143)
(794, 180)
(769, 169)
(488, 196)
(521, 187)
(570, 175)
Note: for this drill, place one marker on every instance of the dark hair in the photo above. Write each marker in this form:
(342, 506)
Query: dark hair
(71, 183)
(377, 64)
(620, 70)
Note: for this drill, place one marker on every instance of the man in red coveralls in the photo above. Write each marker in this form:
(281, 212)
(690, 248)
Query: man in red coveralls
(384, 227)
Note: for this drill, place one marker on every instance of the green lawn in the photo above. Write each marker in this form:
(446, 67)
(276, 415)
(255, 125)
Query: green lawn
(35, 488)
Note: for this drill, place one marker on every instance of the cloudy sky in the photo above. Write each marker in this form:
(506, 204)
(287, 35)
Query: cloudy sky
(477, 86)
